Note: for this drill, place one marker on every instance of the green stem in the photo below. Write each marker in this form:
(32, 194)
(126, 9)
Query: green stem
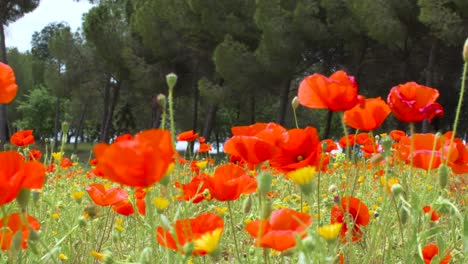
(231, 218)
(345, 131)
(295, 117)
(171, 112)
(459, 105)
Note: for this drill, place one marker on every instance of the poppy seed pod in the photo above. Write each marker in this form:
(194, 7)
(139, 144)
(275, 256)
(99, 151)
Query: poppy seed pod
(444, 171)
(171, 80)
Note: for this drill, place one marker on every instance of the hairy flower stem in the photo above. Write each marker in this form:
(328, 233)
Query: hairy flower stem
(231, 218)
(171, 112)
(459, 105)
(295, 117)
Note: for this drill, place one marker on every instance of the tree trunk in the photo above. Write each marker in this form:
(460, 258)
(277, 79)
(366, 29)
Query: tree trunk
(115, 96)
(80, 127)
(252, 108)
(57, 120)
(105, 110)
(326, 132)
(156, 113)
(429, 74)
(284, 102)
(3, 115)
(210, 121)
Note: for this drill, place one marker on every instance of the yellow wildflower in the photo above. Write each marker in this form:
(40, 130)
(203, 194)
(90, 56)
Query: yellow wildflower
(160, 203)
(55, 216)
(329, 232)
(63, 257)
(302, 176)
(97, 255)
(202, 164)
(208, 242)
(221, 210)
(57, 156)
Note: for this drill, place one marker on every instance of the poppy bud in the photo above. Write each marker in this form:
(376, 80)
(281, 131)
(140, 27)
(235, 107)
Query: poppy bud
(396, 189)
(161, 98)
(444, 171)
(404, 214)
(108, 259)
(465, 51)
(295, 103)
(65, 127)
(35, 196)
(23, 198)
(247, 205)
(264, 183)
(82, 221)
(33, 235)
(171, 80)
(17, 241)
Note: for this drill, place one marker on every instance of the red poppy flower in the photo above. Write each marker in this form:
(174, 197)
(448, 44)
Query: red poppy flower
(35, 154)
(432, 250)
(229, 182)
(195, 189)
(65, 163)
(15, 174)
(201, 140)
(331, 145)
(279, 232)
(8, 87)
(336, 93)
(302, 148)
(123, 208)
(358, 212)
(103, 197)
(350, 142)
(412, 102)
(204, 231)
(204, 148)
(428, 210)
(188, 136)
(22, 138)
(11, 224)
(255, 143)
(93, 162)
(123, 137)
(139, 162)
(369, 117)
(396, 135)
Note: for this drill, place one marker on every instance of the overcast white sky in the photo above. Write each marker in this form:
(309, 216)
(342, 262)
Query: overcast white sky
(19, 33)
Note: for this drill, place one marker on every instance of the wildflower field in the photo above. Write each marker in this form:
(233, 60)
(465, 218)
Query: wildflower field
(279, 196)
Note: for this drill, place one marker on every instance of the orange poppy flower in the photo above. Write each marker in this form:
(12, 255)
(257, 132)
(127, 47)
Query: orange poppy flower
(336, 93)
(138, 162)
(22, 138)
(367, 116)
(302, 148)
(279, 232)
(229, 182)
(65, 163)
(11, 224)
(195, 189)
(188, 136)
(15, 174)
(123, 208)
(428, 210)
(396, 135)
(255, 143)
(103, 197)
(412, 102)
(432, 250)
(358, 212)
(35, 154)
(8, 87)
(204, 231)
(204, 148)
(350, 142)
(331, 145)
(123, 137)
(201, 140)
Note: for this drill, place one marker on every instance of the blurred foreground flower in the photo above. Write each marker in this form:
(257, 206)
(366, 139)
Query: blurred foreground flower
(280, 231)
(22, 138)
(204, 231)
(11, 225)
(8, 87)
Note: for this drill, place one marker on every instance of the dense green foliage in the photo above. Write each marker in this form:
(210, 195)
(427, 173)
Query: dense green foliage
(238, 61)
